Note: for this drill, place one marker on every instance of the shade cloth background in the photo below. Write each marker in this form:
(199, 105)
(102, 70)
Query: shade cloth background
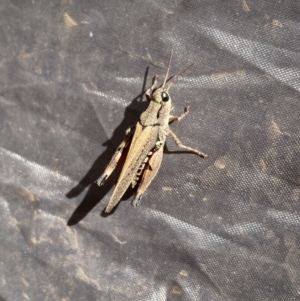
(223, 228)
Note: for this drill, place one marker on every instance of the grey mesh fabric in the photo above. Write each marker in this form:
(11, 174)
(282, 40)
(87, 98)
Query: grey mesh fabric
(222, 228)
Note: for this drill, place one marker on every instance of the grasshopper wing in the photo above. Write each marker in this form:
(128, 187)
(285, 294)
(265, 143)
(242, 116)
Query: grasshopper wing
(143, 141)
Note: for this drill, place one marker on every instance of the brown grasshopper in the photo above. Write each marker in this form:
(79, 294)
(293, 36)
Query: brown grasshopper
(142, 149)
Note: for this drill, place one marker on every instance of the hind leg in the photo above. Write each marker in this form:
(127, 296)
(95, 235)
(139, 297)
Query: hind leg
(118, 158)
(178, 142)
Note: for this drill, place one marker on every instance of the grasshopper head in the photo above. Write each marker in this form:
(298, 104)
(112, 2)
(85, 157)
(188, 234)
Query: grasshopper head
(161, 96)
(160, 105)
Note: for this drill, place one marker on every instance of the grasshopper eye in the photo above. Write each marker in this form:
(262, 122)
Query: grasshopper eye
(165, 96)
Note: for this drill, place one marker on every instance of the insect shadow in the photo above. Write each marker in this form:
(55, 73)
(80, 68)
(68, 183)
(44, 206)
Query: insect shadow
(95, 193)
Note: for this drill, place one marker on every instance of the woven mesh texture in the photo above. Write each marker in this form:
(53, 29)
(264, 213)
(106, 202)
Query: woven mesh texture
(222, 228)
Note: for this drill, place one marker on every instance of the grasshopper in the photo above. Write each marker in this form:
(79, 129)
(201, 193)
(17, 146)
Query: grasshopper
(142, 148)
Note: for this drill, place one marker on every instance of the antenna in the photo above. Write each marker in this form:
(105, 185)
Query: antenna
(168, 69)
(176, 76)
